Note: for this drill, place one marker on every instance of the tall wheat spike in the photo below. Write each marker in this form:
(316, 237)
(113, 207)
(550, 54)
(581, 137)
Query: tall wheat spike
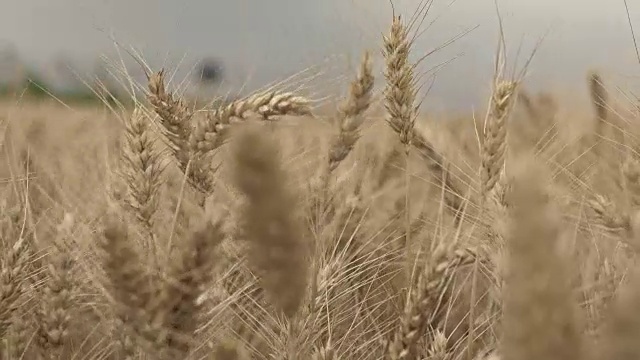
(400, 92)
(399, 100)
(400, 103)
(142, 169)
(494, 147)
(175, 117)
(351, 116)
(142, 172)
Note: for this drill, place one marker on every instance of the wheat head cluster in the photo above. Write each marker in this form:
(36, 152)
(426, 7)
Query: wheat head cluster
(262, 228)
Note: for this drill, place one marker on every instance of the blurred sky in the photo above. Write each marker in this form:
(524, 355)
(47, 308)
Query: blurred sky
(258, 41)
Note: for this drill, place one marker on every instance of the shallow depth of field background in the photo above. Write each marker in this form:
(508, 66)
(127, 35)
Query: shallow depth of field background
(261, 41)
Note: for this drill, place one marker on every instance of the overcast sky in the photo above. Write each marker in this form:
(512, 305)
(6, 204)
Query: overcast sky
(263, 40)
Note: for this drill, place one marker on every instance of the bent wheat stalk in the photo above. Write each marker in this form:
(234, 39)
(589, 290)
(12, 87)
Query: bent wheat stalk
(209, 134)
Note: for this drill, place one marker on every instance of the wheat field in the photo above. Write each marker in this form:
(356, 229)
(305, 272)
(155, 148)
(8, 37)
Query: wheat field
(275, 227)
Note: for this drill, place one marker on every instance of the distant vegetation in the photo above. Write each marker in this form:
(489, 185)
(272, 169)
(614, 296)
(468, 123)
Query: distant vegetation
(36, 88)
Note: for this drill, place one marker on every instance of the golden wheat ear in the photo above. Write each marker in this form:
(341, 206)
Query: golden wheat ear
(494, 146)
(351, 114)
(141, 170)
(14, 267)
(175, 117)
